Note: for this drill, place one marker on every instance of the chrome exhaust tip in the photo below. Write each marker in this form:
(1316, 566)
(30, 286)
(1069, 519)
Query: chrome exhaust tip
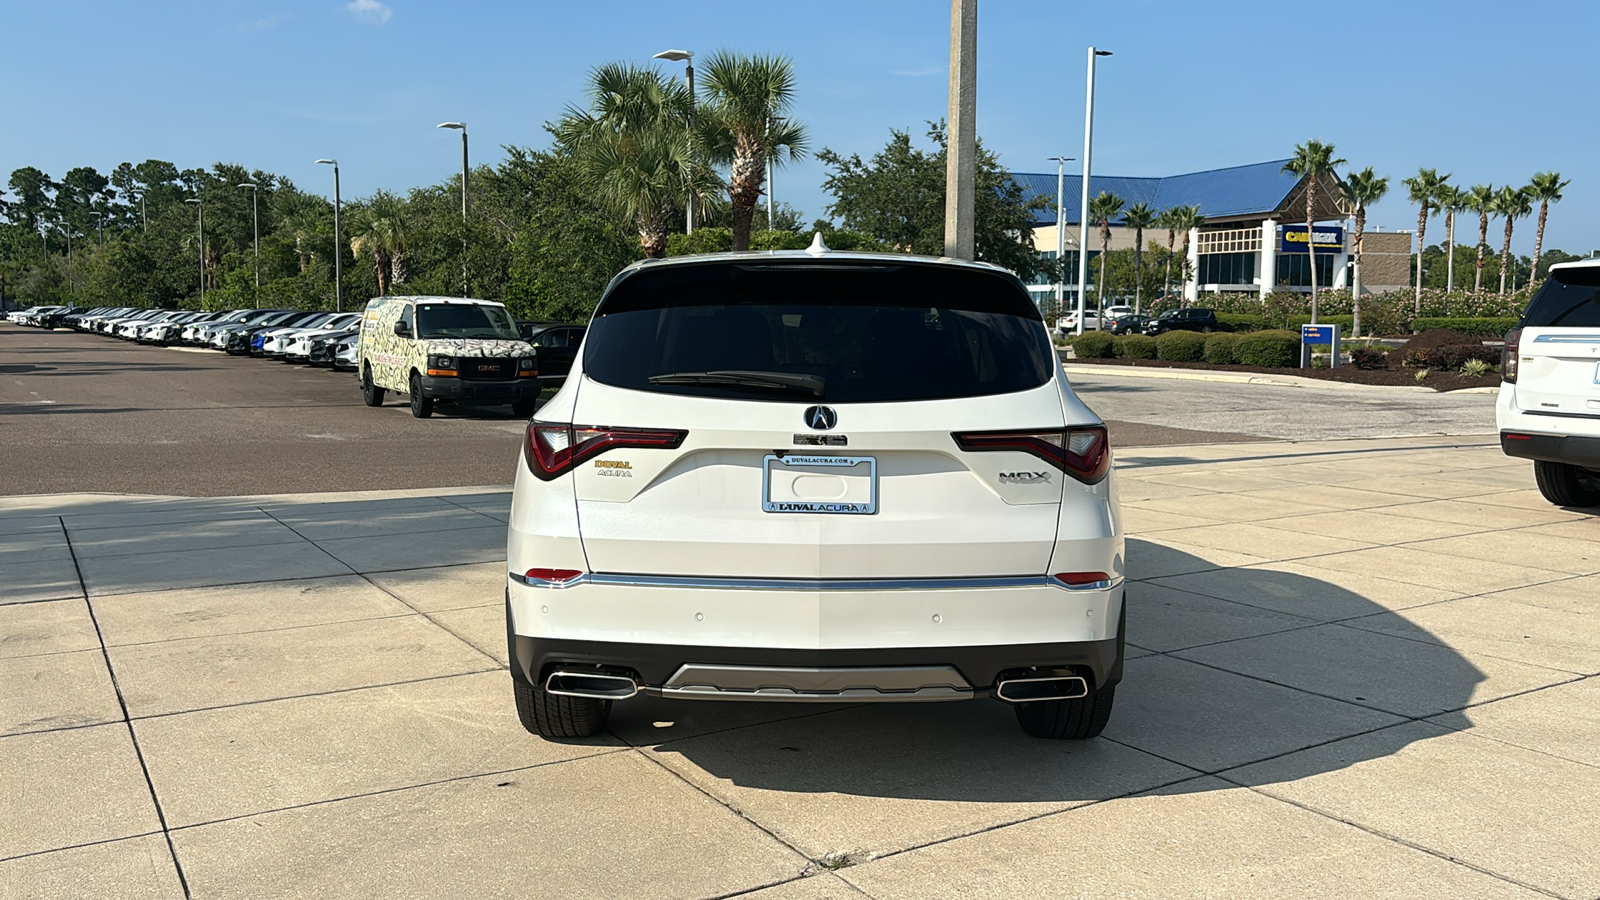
(1029, 690)
(595, 685)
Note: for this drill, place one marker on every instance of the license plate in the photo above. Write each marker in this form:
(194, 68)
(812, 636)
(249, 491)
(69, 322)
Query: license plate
(840, 485)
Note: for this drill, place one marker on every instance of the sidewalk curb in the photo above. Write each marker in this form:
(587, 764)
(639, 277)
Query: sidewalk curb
(1278, 380)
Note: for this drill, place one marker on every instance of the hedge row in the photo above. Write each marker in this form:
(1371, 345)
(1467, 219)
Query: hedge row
(1477, 327)
(1276, 349)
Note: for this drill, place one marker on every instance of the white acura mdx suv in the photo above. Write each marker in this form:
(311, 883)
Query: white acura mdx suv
(814, 476)
(1549, 405)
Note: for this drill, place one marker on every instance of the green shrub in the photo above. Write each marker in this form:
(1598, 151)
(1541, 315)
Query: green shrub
(1369, 358)
(1487, 327)
(1222, 348)
(1452, 356)
(1270, 349)
(1136, 346)
(1241, 321)
(1181, 346)
(1344, 322)
(1093, 345)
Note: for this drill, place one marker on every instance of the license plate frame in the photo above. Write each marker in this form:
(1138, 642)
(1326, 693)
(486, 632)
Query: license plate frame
(824, 462)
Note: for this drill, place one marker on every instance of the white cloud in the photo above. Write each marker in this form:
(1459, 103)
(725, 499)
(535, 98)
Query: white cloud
(271, 21)
(369, 11)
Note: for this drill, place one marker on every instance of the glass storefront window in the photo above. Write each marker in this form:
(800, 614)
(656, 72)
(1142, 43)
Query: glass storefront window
(1295, 271)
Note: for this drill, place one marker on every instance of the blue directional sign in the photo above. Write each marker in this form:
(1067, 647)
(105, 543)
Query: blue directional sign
(1316, 334)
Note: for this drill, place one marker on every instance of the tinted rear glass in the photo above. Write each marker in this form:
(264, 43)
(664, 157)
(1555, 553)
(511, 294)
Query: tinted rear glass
(873, 334)
(1568, 297)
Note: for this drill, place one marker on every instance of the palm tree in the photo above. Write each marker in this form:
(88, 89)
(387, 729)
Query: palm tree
(631, 149)
(1423, 189)
(1169, 220)
(1104, 208)
(1545, 188)
(301, 215)
(1452, 200)
(1312, 160)
(1186, 219)
(1139, 216)
(744, 124)
(378, 229)
(1480, 199)
(1359, 191)
(1513, 204)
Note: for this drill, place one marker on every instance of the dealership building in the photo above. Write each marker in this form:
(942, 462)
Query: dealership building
(1252, 240)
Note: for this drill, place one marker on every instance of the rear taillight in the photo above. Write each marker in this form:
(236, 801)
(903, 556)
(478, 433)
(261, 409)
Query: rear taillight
(1508, 356)
(552, 450)
(1084, 453)
(1082, 580)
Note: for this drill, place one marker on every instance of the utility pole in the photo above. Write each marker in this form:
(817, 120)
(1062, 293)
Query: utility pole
(961, 152)
(338, 251)
(1083, 202)
(462, 126)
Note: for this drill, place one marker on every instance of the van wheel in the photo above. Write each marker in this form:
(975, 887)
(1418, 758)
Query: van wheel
(1566, 485)
(524, 409)
(371, 394)
(421, 407)
(1073, 720)
(549, 716)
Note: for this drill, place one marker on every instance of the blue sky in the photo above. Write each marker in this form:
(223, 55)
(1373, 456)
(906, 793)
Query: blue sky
(1491, 92)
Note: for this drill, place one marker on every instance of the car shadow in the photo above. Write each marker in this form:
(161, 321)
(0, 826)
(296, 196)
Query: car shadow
(1285, 682)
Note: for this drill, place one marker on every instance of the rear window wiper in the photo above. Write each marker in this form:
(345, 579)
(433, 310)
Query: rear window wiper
(745, 378)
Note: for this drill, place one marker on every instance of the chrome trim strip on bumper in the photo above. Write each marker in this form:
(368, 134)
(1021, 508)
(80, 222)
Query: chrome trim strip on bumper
(816, 584)
(1567, 339)
(817, 685)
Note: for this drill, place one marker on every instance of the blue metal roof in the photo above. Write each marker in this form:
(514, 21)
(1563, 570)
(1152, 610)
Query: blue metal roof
(1255, 189)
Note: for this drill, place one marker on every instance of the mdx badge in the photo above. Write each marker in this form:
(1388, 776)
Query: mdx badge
(1024, 477)
(821, 418)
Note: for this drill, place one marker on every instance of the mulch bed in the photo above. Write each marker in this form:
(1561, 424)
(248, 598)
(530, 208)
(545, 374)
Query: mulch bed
(1394, 375)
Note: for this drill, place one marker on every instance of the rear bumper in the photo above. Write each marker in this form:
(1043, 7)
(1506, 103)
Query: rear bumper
(445, 388)
(653, 632)
(1559, 448)
(654, 665)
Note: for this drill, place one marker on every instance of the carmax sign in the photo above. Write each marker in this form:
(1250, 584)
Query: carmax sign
(1330, 239)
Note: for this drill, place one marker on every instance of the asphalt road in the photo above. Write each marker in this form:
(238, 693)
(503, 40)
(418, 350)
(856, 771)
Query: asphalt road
(88, 413)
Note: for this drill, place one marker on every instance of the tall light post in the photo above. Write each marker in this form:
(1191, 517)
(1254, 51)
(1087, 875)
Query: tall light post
(463, 127)
(687, 58)
(1083, 208)
(66, 229)
(255, 216)
(200, 213)
(1061, 228)
(338, 241)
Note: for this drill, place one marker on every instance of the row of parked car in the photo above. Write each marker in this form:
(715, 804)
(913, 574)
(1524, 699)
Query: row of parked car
(329, 339)
(1123, 320)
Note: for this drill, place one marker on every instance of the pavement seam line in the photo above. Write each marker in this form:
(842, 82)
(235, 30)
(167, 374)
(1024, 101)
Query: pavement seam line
(399, 599)
(1396, 839)
(602, 751)
(327, 693)
(127, 720)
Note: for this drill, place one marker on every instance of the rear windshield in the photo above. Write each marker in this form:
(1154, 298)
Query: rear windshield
(825, 332)
(1568, 297)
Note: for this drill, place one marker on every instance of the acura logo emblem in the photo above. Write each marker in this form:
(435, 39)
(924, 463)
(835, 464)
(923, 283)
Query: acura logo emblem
(821, 418)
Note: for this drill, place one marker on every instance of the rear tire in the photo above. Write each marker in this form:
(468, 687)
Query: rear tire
(421, 407)
(1072, 720)
(371, 394)
(1566, 485)
(549, 716)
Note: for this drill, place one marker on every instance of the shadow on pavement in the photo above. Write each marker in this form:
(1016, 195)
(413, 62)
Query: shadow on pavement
(1221, 706)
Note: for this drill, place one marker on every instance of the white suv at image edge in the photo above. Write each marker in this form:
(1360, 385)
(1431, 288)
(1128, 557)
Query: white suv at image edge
(815, 477)
(1549, 405)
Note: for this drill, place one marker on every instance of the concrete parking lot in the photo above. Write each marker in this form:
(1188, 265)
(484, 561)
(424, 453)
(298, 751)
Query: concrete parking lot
(1358, 668)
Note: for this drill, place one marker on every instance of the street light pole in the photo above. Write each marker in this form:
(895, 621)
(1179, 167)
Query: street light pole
(255, 215)
(687, 57)
(1061, 228)
(463, 127)
(338, 241)
(200, 212)
(1083, 208)
(961, 161)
